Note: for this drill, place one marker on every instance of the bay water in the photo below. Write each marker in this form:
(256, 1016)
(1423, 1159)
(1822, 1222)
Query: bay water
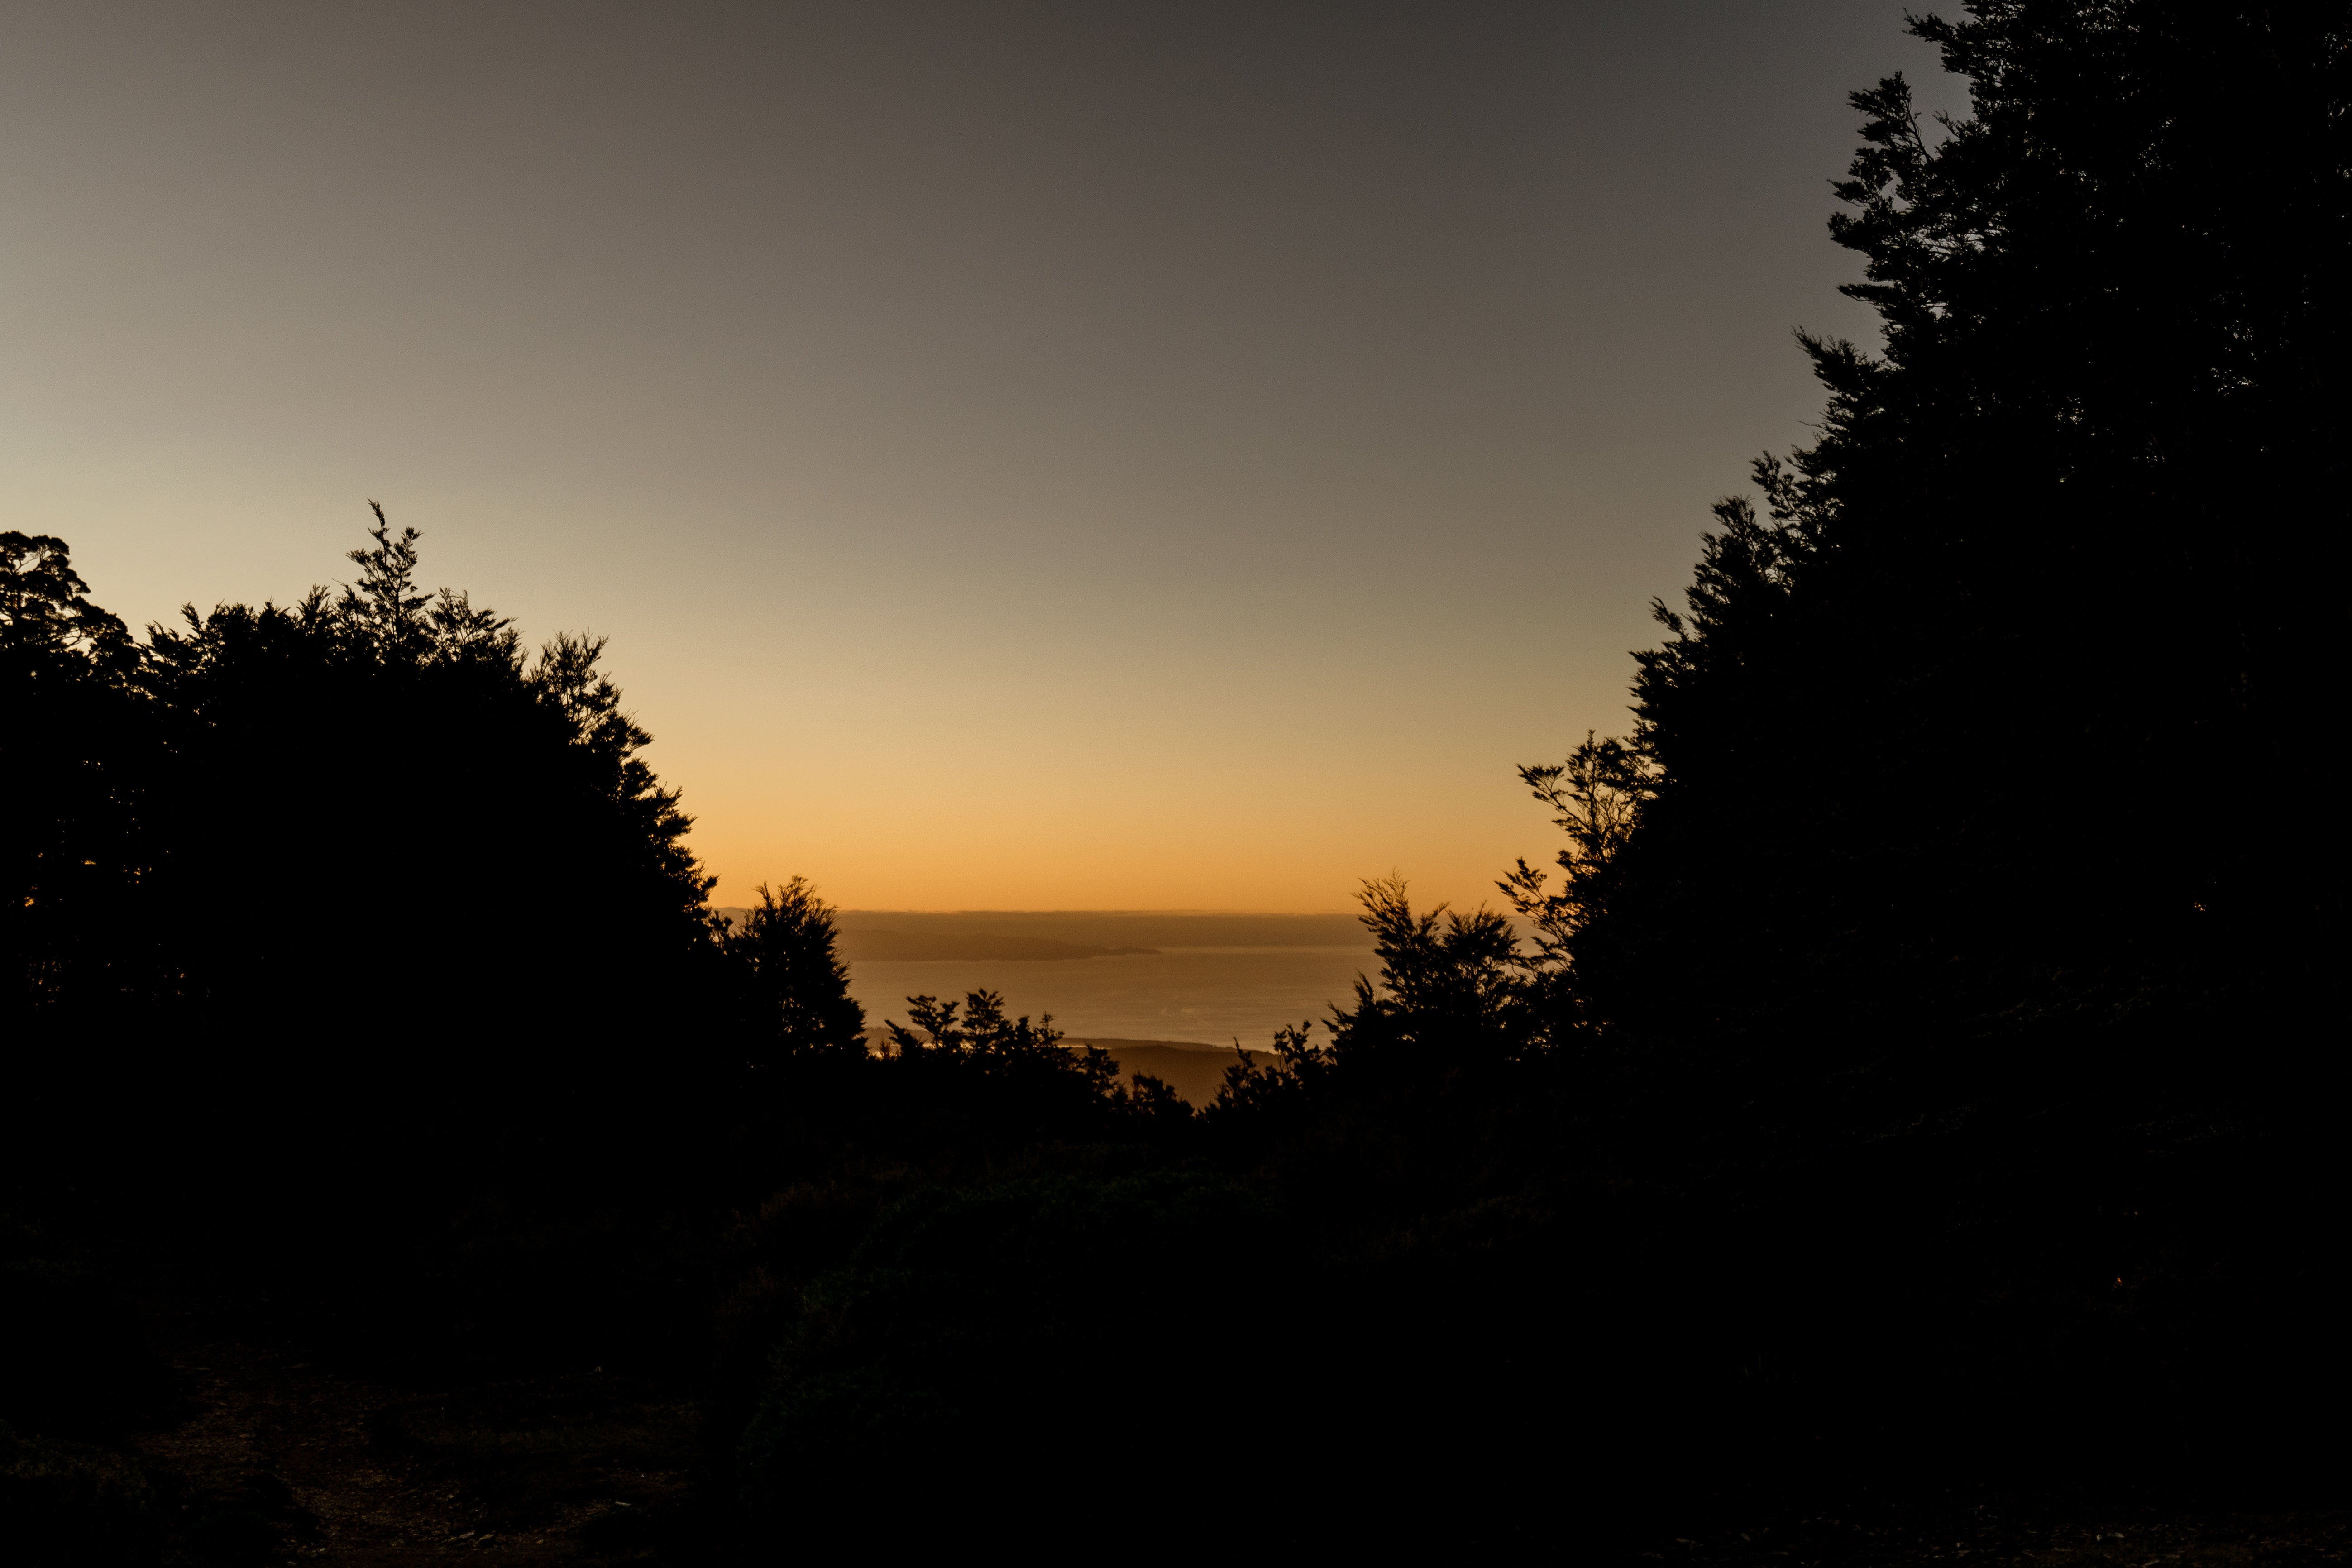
(1212, 995)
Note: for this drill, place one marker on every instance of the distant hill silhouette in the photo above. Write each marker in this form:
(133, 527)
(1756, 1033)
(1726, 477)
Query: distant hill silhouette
(1114, 928)
(1193, 1069)
(1027, 935)
(917, 945)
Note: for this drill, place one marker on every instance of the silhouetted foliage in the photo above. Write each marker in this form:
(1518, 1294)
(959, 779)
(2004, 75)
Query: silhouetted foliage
(69, 773)
(972, 1054)
(371, 795)
(1454, 1016)
(1915, 747)
(1895, 928)
(1890, 968)
(785, 945)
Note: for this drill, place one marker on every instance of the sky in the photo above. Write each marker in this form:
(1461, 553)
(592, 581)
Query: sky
(1173, 455)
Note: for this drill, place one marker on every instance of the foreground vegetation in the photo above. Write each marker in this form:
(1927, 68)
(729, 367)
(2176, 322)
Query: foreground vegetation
(1915, 1109)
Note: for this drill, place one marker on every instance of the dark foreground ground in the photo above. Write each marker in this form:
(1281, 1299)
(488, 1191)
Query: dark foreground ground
(281, 1459)
(1989, 1534)
(268, 1456)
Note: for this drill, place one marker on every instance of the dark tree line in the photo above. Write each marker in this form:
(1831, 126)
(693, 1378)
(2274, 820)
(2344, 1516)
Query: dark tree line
(1920, 1066)
(268, 824)
(1925, 1063)
(2001, 696)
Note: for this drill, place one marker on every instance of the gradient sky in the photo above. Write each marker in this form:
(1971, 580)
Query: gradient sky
(1023, 455)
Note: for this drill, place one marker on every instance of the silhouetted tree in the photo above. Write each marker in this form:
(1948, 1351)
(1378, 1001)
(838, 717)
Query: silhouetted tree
(984, 1043)
(74, 746)
(1016, 1074)
(1890, 1006)
(44, 609)
(785, 944)
(1899, 926)
(363, 844)
(1910, 764)
(1452, 1008)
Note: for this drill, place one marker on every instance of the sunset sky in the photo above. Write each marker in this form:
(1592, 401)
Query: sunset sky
(1023, 455)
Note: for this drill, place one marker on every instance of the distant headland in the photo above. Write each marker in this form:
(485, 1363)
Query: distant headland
(878, 936)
